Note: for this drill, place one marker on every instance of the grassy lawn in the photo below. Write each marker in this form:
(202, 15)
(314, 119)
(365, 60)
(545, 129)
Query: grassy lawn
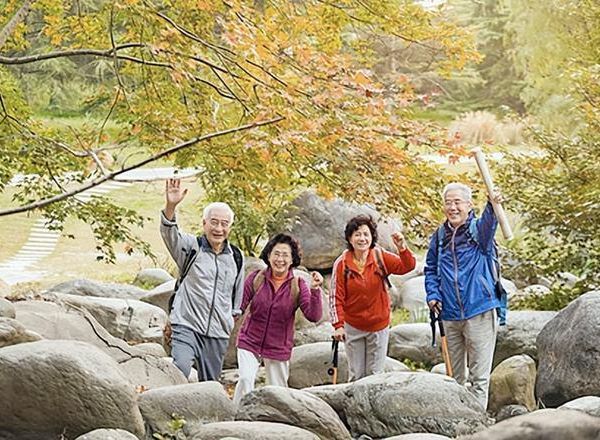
(77, 258)
(15, 228)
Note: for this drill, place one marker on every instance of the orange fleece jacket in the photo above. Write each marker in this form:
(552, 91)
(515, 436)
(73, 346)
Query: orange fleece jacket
(362, 300)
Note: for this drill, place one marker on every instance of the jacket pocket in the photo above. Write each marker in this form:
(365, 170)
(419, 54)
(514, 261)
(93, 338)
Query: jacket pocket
(486, 287)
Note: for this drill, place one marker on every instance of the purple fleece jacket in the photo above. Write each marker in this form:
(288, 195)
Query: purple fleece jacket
(268, 329)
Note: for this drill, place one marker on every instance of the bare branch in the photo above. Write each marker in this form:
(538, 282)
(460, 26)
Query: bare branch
(57, 198)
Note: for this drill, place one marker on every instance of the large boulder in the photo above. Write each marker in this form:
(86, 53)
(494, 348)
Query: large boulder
(568, 352)
(310, 363)
(412, 297)
(544, 424)
(107, 434)
(587, 404)
(418, 436)
(160, 295)
(319, 225)
(54, 388)
(13, 332)
(7, 310)
(250, 431)
(513, 382)
(413, 341)
(127, 319)
(519, 334)
(295, 408)
(318, 333)
(152, 277)
(50, 321)
(85, 287)
(389, 404)
(196, 403)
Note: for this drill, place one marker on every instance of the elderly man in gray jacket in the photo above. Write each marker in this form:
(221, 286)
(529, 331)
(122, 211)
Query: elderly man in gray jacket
(210, 295)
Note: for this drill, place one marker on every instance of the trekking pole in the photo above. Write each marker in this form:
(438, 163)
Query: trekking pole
(333, 371)
(445, 353)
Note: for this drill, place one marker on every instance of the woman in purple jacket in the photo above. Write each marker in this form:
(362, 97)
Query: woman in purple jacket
(273, 295)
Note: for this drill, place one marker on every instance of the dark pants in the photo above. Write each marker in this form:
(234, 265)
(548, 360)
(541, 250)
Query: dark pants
(188, 346)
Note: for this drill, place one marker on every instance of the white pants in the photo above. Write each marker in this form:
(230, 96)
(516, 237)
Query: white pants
(471, 345)
(248, 363)
(365, 351)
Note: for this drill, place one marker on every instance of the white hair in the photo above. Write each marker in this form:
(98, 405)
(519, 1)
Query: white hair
(218, 205)
(464, 189)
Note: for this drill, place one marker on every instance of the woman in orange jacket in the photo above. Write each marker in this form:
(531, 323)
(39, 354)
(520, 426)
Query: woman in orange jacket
(359, 301)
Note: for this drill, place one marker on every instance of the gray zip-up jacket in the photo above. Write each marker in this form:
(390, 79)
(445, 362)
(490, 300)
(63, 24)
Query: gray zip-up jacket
(212, 291)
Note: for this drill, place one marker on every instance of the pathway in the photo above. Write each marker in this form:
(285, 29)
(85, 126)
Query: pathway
(42, 241)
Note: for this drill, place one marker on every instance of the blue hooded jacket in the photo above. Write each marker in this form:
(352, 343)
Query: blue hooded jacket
(466, 283)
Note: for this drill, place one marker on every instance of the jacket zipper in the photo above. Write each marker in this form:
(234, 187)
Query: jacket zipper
(262, 343)
(212, 305)
(456, 288)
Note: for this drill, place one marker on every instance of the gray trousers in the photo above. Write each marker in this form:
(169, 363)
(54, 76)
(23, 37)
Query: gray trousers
(365, 351)
(188, 346)
(471, 346)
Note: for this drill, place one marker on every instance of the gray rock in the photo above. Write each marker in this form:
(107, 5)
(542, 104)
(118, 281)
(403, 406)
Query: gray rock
(250, 431)
(334, 396)
(126, 319)
(587, 404)
(569, 354)
(513, 382)
(7, 310)
(319, 333)
(519, 334)
(85, 287)
(310, 363)
(50, 388)
(196, 403)
(418, 436)
(152, 349)
(508, 411)
(295, 408)
(160, 295)
(319, 225)
(389, 404)
(152, 277)
(107, 434)
(544, 424)
(13, 332)
(412, 298)
(52, 322)
(413, 341)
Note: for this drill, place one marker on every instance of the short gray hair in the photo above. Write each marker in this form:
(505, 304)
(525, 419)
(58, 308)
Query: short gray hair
(455, 186)
(218, 205)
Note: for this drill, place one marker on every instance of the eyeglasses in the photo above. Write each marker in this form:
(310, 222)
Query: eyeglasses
(457, 203)
(282, 255)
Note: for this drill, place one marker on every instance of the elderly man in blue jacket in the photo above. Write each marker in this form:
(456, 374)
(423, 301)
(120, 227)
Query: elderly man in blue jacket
(460, 283)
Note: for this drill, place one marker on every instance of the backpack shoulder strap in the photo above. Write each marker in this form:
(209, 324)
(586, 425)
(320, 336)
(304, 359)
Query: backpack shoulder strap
(381, 264)
(440, 236)
(473, 232)
(258, 280)
(237, 256)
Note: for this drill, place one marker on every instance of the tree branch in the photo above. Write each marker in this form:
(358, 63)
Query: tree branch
(42, 203)
(20, 16)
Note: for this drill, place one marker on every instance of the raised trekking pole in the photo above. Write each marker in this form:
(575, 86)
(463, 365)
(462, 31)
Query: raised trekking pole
(333, 371)
(487, 179)
(445, 353)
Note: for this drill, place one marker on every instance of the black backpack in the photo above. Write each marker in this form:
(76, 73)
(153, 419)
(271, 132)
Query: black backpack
(189, 261)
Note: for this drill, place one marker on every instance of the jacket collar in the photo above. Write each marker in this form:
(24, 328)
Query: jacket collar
(349, 260)
(206, 247)
(462, 228)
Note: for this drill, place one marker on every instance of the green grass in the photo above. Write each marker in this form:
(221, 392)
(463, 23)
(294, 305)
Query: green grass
(15, 228)
(77, 258)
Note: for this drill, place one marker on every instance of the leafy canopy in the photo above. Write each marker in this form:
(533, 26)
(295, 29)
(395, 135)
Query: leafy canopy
(292, 84)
